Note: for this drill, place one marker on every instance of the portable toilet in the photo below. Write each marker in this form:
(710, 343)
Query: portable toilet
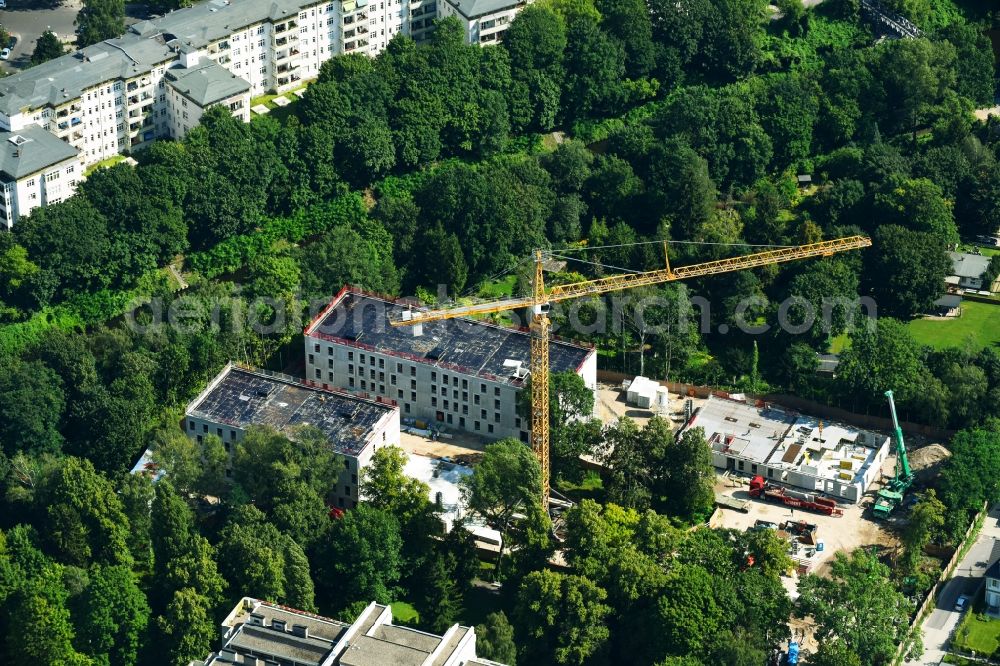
(792, 657)
(662, 400)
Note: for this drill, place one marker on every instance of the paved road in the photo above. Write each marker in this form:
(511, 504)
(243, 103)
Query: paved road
(967, 579)
(27, 20)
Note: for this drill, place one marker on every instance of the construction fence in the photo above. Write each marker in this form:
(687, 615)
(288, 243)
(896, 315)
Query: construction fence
(930, 599)
(810, 407)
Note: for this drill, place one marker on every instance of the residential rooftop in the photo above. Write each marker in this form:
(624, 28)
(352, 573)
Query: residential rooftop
(206, 83)
(468, 346)
(260, 630)
(472, 9)
(31, 150)
(968, 265)
(144, 45)
(242, 398)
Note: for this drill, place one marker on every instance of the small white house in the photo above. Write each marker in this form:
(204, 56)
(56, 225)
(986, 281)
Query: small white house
(993, 579)
(969, 269)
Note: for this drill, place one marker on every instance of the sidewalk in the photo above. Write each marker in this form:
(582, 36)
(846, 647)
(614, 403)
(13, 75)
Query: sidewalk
(968, 576)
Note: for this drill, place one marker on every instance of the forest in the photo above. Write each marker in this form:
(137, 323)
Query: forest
(596, 123)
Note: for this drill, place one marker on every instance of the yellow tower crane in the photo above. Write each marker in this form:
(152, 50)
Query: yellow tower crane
(540, 299)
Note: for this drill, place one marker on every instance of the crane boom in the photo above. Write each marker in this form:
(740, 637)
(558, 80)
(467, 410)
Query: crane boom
(902, 462)
(604, 285)
(541, 297)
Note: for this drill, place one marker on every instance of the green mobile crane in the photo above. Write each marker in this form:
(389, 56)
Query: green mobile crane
(891, 495)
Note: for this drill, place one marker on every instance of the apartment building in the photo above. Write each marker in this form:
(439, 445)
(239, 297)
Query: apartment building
(461, 373)
(36, 169)
(239, 398)
(261, 633)
(485, 21)
(192, 90)
(112, 97)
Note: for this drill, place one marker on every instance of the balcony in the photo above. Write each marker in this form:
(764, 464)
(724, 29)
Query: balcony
(134, 99)
(283, 41)
(64, 125)
(147, 95)
(75, 121)
(132, 86)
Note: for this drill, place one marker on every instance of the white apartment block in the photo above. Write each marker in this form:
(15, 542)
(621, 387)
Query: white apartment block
(119, 95)
(485, 21)
(459, 374)
(239, 398)
(36, 169)
(261, 633)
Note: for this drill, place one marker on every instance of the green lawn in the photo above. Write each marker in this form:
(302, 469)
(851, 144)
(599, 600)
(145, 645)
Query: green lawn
(268, 100)
(838, 344)
(403, 612)
(978, 632)
(498, 288)
(979, 324)
(591, 487)
(111, 161)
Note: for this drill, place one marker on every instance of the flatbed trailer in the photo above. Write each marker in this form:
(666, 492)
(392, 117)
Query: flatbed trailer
(726, 502)
(793, 499)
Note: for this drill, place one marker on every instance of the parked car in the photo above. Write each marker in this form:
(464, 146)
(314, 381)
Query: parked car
(3, 4)
(5, 54)
(962, 603)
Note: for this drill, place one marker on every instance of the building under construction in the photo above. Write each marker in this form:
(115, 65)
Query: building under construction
(791, 449)
(239, 398)
(462, 373)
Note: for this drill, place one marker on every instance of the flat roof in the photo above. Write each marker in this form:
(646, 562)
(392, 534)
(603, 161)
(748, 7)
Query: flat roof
(467, 346)
(243, 398)
(783, 439)
(265, 640)
(206, 83)
(30, 150)
(742, 430)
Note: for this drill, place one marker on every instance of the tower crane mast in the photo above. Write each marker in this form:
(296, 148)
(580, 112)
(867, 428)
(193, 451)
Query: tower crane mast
(541, 297)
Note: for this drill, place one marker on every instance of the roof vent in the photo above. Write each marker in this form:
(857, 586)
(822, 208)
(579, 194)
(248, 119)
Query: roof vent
(278, 625)
(300, 630)
(18, 140)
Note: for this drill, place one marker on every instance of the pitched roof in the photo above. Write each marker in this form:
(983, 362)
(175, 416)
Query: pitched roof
(968, 265)
(206, 83)
(30, 150)
(471, 9)
(993, 571)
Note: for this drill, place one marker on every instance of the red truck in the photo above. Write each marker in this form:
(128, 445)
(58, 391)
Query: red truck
(794, 499)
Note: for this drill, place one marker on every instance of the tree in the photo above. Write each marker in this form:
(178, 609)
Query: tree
(99, 20)
(299, 589)
(44, 633)
(687, 611)
(361, 558)
(968, 477)
(441, 601)
(730, 46)
(136, 493)
(917, 204)
(563, 616)
(905, 270)
(112, 616)
(505, 482)
(916, 73)
(187, 626)
(536, 41)
(251, 556)
(344, 256)
(691, 476)
(881, 356)
(628, 478)
(858, 604)
(629, 22)
(495, 639)
(595, 68)
(31, 410)
(926, 517)
(834, 652)
(82, 516)
(47, 47)
(192, 467)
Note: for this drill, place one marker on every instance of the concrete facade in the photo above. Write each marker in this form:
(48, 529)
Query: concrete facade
(36, 169)
(791, 449)
(463, 374)
(258, 632)
(238, 399)
(485, 21)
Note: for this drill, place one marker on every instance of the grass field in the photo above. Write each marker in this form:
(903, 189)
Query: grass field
(979, 326)
(978, 632)
(403, 612)
(111, 161)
